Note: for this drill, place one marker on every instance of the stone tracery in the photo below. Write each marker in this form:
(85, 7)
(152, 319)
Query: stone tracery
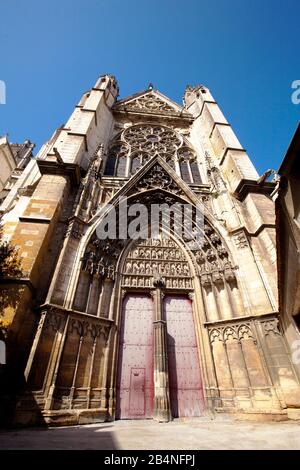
(150, 103)
(139, 143)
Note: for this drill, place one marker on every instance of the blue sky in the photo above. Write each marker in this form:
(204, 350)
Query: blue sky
(246, 52)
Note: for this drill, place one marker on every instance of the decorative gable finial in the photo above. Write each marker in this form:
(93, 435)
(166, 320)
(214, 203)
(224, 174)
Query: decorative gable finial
(150, 86)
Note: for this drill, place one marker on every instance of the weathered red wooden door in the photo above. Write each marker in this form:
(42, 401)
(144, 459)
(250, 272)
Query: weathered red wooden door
(135, 367)
(186, 392)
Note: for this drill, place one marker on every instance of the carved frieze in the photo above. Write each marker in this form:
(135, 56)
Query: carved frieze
(54, 320)
(271, 326)
(156, 261)
(94, 328)
(234, 332)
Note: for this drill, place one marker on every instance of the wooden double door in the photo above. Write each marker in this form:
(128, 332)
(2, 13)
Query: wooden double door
(135, 379)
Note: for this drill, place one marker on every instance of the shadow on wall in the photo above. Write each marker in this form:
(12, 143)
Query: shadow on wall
(173, 380)
(79, 438)
(12, 386)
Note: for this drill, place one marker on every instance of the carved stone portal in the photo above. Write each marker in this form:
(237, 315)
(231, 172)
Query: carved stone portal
(156, 260)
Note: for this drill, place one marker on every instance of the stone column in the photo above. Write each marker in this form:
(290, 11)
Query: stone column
(105, 298)
(162, 412)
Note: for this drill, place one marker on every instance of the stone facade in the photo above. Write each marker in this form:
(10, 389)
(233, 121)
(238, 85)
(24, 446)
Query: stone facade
(65, 339)
(288, 245)
(13, 159)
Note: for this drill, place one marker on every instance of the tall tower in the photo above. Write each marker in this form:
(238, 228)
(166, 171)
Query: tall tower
(154, 326)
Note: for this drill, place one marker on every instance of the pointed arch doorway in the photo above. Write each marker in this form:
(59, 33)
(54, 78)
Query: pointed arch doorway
(158, 366)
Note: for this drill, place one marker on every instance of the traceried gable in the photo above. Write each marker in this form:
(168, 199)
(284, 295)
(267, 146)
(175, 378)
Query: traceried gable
(149, 102)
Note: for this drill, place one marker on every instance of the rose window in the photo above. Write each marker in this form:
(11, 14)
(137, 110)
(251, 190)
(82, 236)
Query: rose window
(139, 143)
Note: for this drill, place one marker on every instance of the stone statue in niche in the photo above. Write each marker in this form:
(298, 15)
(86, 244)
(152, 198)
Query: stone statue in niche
(101, 267)
(214, 238)
(111, 272)
(142, 268)
(90, 262)
(200, 258)
(205, 244)
(185, 269)
(128, 267)
(210, 255)
(216, 277)
(222, 252)
(135, 267)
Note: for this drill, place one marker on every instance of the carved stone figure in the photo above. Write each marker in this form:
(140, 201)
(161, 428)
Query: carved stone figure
(90, 262)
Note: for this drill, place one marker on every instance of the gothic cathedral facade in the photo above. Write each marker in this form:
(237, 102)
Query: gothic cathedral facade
(120, 328)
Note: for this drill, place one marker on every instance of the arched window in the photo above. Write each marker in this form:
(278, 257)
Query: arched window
(116, 161)
(195, 172)
(184, 170)
(188, 166)
(138, 159)
(110, 165)
(135, 164)
(121, 166)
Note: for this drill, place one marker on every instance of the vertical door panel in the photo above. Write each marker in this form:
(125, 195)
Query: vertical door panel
(135, 367)
(186, 393)
(137, 392)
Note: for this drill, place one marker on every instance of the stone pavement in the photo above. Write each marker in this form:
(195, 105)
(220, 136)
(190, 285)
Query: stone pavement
(148, 434)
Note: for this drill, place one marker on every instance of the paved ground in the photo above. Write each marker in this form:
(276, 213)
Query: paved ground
(187, 434)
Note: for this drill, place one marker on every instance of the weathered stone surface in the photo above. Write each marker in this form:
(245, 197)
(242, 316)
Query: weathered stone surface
(66, 315)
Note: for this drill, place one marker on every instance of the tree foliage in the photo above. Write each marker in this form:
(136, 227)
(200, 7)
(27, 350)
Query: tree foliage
(10, 267)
